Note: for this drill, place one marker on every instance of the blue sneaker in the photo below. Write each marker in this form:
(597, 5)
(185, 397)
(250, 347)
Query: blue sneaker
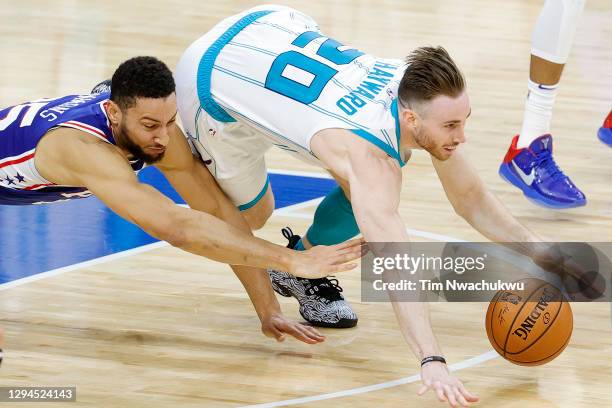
(605, 131)
(534, 171)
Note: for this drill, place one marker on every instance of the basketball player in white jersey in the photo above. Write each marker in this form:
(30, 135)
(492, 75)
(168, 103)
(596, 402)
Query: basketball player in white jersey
(268, 77)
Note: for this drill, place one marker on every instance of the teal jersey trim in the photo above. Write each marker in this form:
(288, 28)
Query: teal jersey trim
(207, 63)
(395, 114)
(379, 143)
(384, 146)
(256, 199)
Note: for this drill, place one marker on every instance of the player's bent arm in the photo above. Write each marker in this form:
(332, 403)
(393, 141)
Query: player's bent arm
(71, 158)
(476, 204)
(192, 180)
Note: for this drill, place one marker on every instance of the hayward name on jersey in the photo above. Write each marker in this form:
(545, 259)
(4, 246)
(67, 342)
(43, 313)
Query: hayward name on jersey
(23, 126)
(270, 72)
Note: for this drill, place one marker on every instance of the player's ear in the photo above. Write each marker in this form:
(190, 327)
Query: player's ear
(114, 112)
(410, 117)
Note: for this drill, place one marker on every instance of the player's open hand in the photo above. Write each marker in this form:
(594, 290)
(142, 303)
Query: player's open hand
(436, 377)
(321, 260)
(278, 327)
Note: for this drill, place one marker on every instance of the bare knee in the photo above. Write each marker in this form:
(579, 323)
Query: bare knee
(258, 215)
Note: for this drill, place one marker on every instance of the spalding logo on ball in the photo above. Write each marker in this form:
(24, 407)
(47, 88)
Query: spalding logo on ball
(532, 326)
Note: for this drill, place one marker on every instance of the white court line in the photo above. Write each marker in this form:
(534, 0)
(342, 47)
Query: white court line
(471, 362)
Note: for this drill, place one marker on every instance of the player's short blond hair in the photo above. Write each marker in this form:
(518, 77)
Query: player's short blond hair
(430, 72)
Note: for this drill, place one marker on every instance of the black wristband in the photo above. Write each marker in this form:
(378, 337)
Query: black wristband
(432, 358)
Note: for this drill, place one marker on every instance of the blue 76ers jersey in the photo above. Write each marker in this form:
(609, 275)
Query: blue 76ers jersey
(23, 126)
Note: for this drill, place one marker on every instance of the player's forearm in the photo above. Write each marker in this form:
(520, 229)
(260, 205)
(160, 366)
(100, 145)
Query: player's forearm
(413, 319)
(257, 284)
(489, 217)
(206, 235)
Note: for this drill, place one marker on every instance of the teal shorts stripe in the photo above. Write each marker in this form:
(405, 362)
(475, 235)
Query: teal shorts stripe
(256, 199)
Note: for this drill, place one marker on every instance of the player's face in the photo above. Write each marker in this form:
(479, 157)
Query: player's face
(146, 127)
(442, 125)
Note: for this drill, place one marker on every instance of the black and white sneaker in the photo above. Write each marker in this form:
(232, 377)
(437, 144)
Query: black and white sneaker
(321, 302)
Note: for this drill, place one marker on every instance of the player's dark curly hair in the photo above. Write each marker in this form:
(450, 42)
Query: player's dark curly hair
(140, 77)
(430, 72)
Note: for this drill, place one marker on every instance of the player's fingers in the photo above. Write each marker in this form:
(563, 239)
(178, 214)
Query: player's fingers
(423, 389)
(350, 243)
(439, 392)
(342, 258)
(450, 395)
(353, 252)
(306, 332)
(314, 332)
(460, 398)
(350, 249)
(308, 335)
(468, 395)
(273, 331)
(341, 268)
(294, 331)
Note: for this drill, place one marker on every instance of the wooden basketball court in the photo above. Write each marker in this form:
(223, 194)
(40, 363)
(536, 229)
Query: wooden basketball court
(158, 327)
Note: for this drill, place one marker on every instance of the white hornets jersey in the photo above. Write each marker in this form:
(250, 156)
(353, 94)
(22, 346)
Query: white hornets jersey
(271, 69)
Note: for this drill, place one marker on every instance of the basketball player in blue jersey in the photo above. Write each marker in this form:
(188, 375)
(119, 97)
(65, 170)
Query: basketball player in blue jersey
(79, 145)
(268, 77)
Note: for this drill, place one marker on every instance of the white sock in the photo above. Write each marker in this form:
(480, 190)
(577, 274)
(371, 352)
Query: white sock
(538, 112)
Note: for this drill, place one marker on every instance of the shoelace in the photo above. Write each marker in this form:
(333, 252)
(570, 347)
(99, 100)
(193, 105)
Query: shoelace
(545, 160)
(323, 287)
(291, 237)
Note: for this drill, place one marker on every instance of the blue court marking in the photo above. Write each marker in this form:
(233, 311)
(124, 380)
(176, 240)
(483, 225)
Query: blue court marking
(39, 238)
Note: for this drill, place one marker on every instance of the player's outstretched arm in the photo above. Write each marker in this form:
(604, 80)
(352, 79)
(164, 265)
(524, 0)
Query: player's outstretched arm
(474, 202)
(70, 157)
(375, 184)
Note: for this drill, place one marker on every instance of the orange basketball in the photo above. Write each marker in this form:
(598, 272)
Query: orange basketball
(531, 326)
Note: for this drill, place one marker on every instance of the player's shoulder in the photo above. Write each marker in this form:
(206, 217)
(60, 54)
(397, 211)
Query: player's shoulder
(76, 147)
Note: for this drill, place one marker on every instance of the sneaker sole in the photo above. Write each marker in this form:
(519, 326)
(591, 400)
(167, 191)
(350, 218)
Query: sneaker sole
(507, 174)
(341, 324)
